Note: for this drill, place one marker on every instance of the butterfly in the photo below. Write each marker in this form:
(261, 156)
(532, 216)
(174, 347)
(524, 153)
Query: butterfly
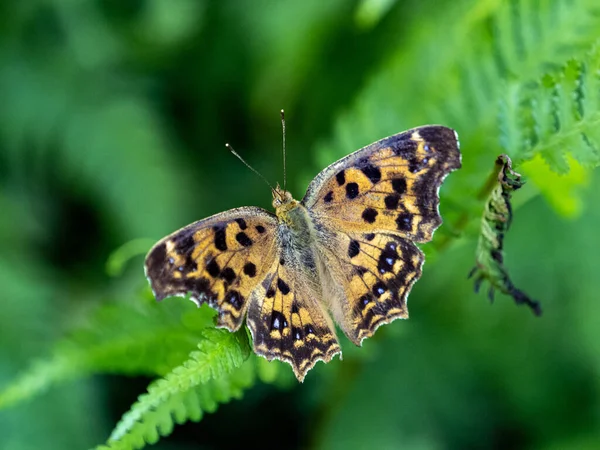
(346, 253)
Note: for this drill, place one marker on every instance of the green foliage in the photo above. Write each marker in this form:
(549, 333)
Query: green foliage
(505, 92)
(137, 338)
(112, 121)
(557, 115)
(495, 224)
(210, 376)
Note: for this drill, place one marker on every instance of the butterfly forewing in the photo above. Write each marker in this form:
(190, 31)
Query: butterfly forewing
(219, 260)
(391, 185)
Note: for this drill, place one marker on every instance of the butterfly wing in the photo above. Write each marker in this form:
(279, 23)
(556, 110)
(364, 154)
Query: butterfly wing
(391, 185)
(287, 319)
(219, 260)
(370, 277)
(234, 262)
(371, 206)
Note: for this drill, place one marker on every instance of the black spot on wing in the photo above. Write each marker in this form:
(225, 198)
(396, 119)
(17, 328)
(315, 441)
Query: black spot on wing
(235, 299)
(353, 248)
(220, 238)
(369, 215)
(391, 201)
(297, 333)
(351, 190)
(414, 165)
(364, 301)
(341, 177)
(371, 172)
(399, 185)
(250, 269)
(213, 268)
(379, 289)
(404, 222)
(190, 265)
(260, 229)
(282, 286)
(278, 321)
(228, 275)
(328, 197)
(242, 223)
(243, 239)
(387, 258)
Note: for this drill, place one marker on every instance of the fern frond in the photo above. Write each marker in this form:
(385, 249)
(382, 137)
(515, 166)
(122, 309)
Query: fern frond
(564, 114)
(140, 337)
(214, 374)
(475, 71)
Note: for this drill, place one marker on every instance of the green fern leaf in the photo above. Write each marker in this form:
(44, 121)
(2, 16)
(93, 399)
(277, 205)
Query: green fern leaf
(213, 375)
(128, 338)
(491, 75)
(565, 120)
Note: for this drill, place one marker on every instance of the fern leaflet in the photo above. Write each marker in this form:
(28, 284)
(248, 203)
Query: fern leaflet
(559, 114)
(210, 376)
(137, 337)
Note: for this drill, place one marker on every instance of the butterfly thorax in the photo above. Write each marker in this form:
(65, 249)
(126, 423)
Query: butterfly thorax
(296, 228)
(284, 204)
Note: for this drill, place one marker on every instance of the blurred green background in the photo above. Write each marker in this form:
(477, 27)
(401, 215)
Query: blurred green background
(113, 120)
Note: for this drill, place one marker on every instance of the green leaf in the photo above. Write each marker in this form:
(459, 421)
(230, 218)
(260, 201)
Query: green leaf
(563, 192)
(128, 338)
(214, 374)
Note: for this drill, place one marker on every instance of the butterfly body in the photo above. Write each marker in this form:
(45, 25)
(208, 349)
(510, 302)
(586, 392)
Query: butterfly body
(345, 251)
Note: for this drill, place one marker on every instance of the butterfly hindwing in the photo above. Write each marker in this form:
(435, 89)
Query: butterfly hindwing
(287, 319)
(219, 260)
(371, 276)
(391, 185)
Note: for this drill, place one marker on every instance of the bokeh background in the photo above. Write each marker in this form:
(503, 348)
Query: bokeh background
(113, 120)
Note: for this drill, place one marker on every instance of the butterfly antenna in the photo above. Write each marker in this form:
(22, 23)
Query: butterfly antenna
(249, 166)
(283, 132)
